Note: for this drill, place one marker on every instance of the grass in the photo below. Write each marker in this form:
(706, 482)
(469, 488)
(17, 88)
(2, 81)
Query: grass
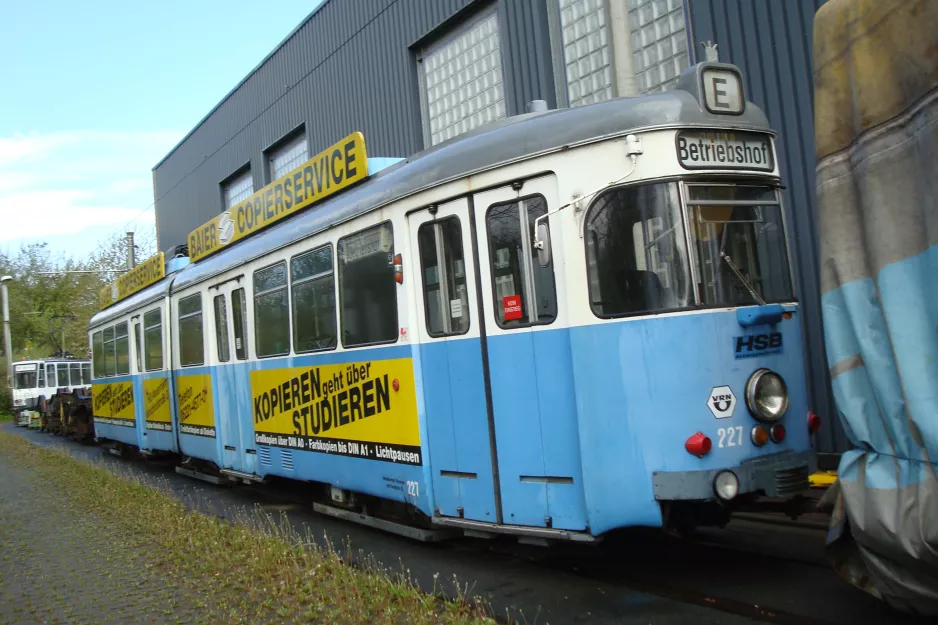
(253, 569)
(5, 417)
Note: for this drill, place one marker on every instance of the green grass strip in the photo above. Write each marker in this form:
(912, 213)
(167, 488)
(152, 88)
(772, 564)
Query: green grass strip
(254, 569)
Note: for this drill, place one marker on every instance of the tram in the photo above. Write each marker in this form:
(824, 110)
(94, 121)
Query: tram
(553, 326)
(36, 381)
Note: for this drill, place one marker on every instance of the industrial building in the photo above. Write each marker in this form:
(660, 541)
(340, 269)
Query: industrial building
(412, 73)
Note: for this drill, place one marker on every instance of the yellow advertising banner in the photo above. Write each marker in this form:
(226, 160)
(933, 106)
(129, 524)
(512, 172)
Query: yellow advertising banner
(137, 279)
(330, 171)
(194, 401)
(113, 403)
(363, 410)
(156, 404)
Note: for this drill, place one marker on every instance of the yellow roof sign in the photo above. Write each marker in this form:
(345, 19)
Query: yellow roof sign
(330, 171)
(138, 278)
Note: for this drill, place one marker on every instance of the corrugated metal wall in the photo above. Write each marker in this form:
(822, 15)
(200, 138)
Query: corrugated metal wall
(351, 67)
(771, 41)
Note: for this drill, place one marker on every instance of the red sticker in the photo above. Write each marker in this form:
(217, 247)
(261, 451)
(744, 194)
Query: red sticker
(512, 306)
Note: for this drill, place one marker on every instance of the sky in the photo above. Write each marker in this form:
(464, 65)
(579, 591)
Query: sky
(93, 94)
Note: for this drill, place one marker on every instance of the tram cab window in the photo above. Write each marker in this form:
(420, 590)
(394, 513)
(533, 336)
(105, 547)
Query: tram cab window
(518, 277)
(445, 293)
(635, 250)
(122, 349)
(97, 354)
(221, 328)
(312, 283)
(367, 289)
(271, 311)
(191, 347)
(24, 378)
(239, 317)
(153, 340)
(744, 223)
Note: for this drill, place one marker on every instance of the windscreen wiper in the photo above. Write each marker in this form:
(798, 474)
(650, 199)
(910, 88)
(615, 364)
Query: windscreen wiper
(739, 274)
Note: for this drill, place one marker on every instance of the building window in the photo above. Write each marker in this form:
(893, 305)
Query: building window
(586, 53)
(462, 81)
(659, 42)
(237, 188)
(288, 155)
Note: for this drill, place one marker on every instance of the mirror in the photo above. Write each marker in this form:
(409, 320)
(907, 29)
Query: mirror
(542, 243)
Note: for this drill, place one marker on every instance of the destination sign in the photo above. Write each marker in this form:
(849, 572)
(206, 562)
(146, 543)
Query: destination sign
(330, 171)
(137, 279)
(725, 150)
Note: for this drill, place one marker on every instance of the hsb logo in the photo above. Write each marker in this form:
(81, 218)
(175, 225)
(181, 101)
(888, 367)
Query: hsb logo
(758, 345)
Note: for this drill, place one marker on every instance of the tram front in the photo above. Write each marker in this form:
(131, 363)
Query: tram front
(692, 379)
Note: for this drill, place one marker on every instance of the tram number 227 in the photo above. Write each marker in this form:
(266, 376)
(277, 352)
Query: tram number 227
(413, 489)
(730, 437)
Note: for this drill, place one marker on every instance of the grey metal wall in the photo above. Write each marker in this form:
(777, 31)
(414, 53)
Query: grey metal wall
(351, 66)
(771, 41)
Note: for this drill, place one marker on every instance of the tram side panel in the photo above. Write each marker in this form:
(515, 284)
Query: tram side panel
(158, 401)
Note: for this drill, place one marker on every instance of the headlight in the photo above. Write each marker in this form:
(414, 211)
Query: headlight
(766, 395)
(726, 485)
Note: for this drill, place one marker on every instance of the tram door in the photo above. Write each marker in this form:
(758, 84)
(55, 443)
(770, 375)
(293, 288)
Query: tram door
(529, 357)
(451, 359)
(231, 378)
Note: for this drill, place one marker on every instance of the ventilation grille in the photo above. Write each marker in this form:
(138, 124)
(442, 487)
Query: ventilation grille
(286, 459)
(789, 481)
(264, 453)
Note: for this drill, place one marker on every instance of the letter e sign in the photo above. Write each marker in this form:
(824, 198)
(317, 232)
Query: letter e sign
(512, 307)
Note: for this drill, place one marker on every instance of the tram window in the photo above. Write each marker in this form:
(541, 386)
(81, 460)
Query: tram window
(138, 346)
(271, 311)
(74, 374)
(239, 317)
(635, 250)
(108, 352)
(191, 349)
(514, 262)
(62, 375)
(42, 377)
(221, 328)
(312, 282)
(367, 290)
(85, 373)
(50, 374)
(122, 348)
(153, 340)
(446, 297)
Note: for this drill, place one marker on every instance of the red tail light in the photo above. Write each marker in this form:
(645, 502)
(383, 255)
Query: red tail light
(777, 433)
(814, 423)
(698, 445)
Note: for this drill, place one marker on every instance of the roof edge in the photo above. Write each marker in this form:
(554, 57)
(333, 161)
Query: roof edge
(269, 55)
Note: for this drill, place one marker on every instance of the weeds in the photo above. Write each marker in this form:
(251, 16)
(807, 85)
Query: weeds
(253, 568)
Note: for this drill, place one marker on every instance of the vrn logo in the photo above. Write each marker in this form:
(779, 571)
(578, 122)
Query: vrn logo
(757, 345)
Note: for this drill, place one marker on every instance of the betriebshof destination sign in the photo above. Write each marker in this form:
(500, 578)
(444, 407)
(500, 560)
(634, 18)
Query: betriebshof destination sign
(143, 275)
(332, 170)
(725, 150)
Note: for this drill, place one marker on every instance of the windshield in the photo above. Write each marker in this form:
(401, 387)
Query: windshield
(637, 251)
(738, 242)
(24, 379)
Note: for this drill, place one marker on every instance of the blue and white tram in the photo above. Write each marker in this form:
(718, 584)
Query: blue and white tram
(557, 325)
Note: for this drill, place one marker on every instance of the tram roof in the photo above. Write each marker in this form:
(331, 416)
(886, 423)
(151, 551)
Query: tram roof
(505, 141)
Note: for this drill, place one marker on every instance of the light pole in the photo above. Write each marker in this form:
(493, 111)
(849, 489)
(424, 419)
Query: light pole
(7, 346)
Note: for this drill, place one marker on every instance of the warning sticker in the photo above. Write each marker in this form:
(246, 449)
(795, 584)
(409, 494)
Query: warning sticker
(512, 307)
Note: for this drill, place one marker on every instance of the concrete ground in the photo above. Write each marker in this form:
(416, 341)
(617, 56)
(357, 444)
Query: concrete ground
(60, 564)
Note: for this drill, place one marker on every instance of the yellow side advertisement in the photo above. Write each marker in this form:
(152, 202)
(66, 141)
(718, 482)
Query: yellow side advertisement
(156, 405)
(113, 403)
(194, 401)
(363, 410)
(330, 171)
(143, 275)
